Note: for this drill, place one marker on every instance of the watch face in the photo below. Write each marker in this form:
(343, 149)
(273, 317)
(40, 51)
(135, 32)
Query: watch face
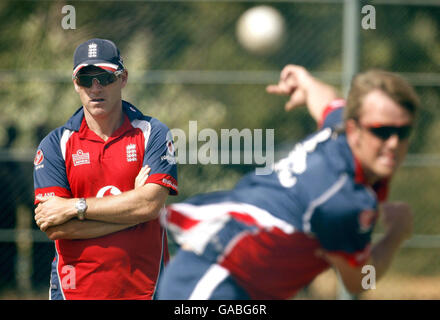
(81, 205)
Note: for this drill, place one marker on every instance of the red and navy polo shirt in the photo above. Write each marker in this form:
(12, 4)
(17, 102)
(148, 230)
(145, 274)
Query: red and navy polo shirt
(73, 162)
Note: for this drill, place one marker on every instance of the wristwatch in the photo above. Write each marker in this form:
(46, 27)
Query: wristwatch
(81, 207)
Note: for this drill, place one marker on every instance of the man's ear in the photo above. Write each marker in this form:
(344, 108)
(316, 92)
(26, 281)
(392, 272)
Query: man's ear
(352, 131)
(76, 86)
(124, 78)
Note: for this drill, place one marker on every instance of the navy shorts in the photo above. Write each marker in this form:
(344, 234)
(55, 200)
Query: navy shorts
(192, 277)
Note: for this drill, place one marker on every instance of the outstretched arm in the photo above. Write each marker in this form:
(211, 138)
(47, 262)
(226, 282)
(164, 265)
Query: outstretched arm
(397, 219)
(304, 89)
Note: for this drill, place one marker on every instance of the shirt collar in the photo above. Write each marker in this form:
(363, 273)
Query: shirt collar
(86, 133)
(347, 162)
(75, 122)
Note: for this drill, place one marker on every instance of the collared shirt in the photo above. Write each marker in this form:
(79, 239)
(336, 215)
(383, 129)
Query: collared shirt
(74, 162)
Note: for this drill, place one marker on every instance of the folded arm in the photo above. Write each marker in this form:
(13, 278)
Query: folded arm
(86, 229)
(135, 206)
(57, 216)
(131, 207)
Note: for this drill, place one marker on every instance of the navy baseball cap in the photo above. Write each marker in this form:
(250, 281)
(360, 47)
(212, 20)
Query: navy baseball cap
(101, 53)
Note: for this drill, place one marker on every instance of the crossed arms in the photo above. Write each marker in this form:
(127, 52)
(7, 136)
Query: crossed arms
(56, 216)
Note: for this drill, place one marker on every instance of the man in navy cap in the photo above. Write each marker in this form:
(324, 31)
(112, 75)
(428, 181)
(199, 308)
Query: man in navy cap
(100, 181)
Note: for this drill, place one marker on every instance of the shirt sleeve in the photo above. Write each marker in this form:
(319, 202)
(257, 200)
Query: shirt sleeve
(50, 177)
(347, 234)
(333, 114)
(160, 157)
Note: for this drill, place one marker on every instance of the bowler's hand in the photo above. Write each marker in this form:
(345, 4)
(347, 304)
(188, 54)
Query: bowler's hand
(304, 89)
(397, 218)
(53, 211)
(293, 82)
(142, 177)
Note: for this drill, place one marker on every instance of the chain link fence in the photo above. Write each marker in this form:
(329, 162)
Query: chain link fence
(186, 64)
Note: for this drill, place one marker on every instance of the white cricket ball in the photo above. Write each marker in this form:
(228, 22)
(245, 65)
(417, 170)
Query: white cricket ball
(261, 30)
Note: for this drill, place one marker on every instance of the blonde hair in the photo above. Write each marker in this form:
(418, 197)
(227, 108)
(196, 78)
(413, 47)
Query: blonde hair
(393, 85)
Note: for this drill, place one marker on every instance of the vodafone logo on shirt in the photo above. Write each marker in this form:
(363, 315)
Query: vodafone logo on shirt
(39, 157)
(169, 156)
(367, 219)
(38, 160)
(107, 191)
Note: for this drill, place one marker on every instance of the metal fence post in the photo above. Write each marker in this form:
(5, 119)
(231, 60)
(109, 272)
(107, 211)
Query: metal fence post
(24, 243)
(350, 42)
(350, 66)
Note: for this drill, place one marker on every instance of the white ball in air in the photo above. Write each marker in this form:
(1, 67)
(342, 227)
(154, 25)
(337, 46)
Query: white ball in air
(261, 30)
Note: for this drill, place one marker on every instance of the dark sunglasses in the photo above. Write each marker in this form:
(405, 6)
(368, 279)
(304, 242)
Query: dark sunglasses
(104, 78)
(385, 132)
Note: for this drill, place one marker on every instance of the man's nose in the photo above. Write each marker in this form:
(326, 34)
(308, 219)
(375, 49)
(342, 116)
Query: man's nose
(95, 84)
(393, 141)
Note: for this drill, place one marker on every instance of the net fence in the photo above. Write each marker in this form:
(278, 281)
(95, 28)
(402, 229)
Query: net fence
(186, 65)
